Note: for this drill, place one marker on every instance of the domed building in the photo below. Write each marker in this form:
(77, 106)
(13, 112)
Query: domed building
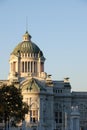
(27, 72)
(26, 59)
(49, 101)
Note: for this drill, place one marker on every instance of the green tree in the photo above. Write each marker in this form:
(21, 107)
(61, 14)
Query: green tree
(11, 104)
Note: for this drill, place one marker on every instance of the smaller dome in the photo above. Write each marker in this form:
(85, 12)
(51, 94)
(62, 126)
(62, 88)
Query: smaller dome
(27, 46)
(26, 36)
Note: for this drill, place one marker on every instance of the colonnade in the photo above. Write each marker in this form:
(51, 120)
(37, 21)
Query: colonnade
(29, 66)
(25, 66)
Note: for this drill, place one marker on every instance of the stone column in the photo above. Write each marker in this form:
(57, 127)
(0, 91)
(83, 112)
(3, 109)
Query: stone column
(40, 116)
(65, 120)
(30, 67)
(39, 67)
(33, 67)
(75, 116)
(52, 115)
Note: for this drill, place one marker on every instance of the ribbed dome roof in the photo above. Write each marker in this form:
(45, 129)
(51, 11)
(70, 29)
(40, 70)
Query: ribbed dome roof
(27, 46)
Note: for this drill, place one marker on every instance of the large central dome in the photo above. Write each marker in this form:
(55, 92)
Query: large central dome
(26, 59)
(27, 46)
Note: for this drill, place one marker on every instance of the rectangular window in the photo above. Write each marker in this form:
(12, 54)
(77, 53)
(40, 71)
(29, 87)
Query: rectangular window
(58, 117)
(34, 116)
(14, 66)
(28, 66)
(25, 66)
(34, 113)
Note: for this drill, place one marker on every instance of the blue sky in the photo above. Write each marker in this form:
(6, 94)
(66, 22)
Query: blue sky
(58, 27)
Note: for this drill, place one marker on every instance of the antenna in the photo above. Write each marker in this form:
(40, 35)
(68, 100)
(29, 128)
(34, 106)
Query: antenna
(26, 24)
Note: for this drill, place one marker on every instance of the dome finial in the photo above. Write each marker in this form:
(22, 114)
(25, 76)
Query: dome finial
(26, 24)
(26, 36)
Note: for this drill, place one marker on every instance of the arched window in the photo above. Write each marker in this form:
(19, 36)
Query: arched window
(34, 113)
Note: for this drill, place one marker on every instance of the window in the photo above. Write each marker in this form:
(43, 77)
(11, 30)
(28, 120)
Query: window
(25, 66)
(58, 91)
(34, 129)
(58, 117)
(14, 66)
(28, 66)
(34, 116)
(22, 66)
(34, 68)
(42, 66)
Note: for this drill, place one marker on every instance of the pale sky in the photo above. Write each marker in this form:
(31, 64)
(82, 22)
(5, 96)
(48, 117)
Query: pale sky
(58, 27)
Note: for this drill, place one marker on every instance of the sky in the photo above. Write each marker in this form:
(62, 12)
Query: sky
(58, 27)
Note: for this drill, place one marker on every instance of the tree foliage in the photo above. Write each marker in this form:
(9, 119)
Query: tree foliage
(11, 104)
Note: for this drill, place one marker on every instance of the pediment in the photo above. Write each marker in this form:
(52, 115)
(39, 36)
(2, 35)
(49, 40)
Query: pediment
(32, 85)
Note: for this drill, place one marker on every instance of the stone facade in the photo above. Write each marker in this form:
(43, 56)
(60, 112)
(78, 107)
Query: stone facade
(49, 101)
